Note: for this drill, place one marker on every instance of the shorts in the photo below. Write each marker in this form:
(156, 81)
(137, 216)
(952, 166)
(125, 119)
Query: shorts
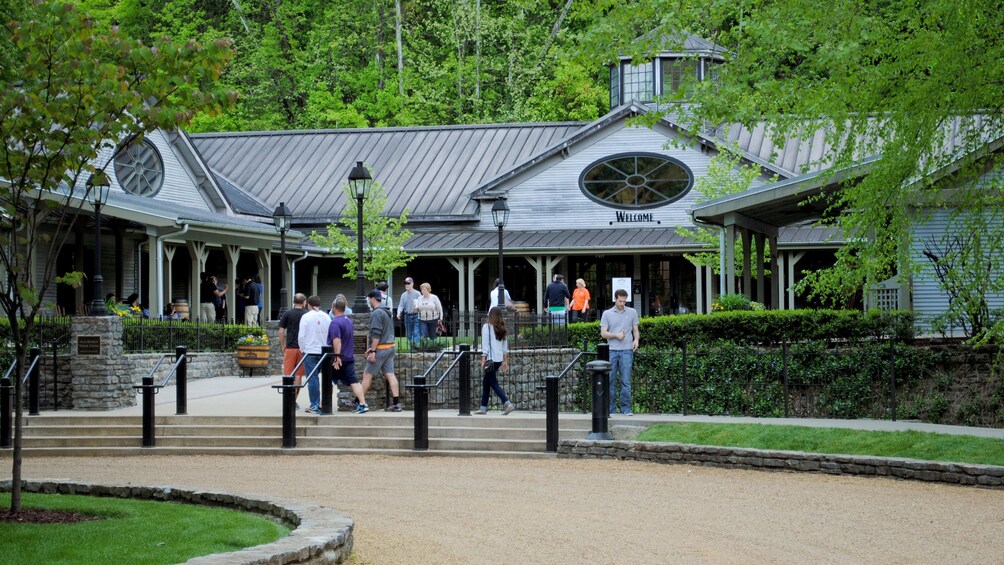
(384, 362)
(290, 357)
(346, 375)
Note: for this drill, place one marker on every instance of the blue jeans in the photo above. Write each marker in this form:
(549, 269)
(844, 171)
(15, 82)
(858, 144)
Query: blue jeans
(411, 327)
(310, 361)
(620, 367)
(429, 328)
(490, 383)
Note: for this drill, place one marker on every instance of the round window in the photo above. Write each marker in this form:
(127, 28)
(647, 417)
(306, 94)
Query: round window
(636, 180)
(139, 169)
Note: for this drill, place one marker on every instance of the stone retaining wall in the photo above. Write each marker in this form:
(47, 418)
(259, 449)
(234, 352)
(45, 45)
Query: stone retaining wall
(320, 536)
(745, 458)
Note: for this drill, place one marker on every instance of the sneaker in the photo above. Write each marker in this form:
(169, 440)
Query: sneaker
(508, 408)
(362, 409)
(296, 406)
(481, 411)
(629, 413)
(393, 408)
(313, 410)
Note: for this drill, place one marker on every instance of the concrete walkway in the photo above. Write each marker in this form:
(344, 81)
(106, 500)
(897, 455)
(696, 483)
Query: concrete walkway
(254, 396)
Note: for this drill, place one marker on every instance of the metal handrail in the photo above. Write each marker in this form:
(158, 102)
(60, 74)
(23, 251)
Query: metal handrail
(10, 370)
(432, 367)
(307, 378)
(157, 366)
(575, 360)
(30, 369)
(173, 369)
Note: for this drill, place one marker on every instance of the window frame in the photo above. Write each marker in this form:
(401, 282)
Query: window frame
(636, 154)
(124, 151)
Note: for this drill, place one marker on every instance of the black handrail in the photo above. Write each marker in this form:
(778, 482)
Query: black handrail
(288, 390)
(422, 393)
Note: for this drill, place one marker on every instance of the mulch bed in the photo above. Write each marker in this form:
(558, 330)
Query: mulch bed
(45, 516)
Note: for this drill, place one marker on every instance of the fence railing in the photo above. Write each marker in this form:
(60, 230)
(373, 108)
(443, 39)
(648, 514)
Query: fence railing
(141, 335)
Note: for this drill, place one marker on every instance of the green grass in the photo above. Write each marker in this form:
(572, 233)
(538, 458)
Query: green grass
(131, 531)
(910, 444)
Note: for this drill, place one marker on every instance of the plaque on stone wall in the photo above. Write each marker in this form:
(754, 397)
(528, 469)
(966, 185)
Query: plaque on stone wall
(88, 345)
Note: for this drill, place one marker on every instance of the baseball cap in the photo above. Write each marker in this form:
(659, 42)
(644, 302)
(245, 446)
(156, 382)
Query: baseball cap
(378, 294)
(409, 280)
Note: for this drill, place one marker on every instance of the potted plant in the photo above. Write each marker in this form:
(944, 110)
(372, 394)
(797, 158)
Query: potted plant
(252, 351)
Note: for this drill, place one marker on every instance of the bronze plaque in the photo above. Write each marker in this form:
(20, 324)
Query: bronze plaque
(88, 345)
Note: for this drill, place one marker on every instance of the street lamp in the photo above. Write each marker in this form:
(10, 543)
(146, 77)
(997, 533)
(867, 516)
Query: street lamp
(500, 215)
(360, 181)
(282, 218)
(97, 193)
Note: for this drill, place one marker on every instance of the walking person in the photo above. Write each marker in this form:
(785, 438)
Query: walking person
(312, 336)
(556, 298)
(406, 307)
(340, 337)
(380, 354)
(289, 333)
(494, 356)
(493, 297)
(579, 310)
(619, 326)
(430, 311)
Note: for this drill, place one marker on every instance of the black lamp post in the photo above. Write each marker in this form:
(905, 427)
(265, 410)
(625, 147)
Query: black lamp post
(360, 181)
(281, 218)
(500, 215)
(97, 193)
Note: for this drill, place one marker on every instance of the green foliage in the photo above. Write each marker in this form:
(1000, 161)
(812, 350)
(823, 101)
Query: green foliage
(162, 336)
(908, 444)
(731, 303)
(149, 532)
(383, 236)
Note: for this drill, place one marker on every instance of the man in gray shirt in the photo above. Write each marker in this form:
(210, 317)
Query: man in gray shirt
(619, 326)
(406, 307)
(380, 353)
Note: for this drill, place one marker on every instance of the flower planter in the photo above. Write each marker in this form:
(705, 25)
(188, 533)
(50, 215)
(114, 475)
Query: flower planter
(252, 356)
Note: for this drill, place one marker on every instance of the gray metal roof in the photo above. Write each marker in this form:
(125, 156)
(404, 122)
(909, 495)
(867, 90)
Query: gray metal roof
(428, 170)
(240, 200)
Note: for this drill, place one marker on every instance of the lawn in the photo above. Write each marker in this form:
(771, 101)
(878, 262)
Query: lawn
(130, 531)
(909, 444)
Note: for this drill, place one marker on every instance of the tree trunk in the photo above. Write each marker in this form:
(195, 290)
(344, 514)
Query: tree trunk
(554, 32)
(477, 64)
(400, 51)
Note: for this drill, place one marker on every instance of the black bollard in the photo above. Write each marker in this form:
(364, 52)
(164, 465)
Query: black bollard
(603, 352)
(148, 412)
(288, 413)
(6, 392)
(465, 380)
(599, 376)
(181, 380)
(35, 368)
(421, 415)
(326, 375)
(551, 403)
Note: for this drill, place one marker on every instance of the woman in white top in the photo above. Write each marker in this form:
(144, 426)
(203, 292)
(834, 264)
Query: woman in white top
(430, 311)
(494, 354)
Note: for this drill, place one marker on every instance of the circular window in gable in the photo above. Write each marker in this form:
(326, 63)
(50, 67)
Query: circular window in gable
(636, 180)
(139, 169)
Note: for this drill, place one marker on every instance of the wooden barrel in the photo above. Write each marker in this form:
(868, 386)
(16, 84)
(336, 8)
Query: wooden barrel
(521, 307)
(252, 356)
(181, 307)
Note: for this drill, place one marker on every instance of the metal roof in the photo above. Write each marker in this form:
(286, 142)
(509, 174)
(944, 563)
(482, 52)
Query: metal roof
(427, 170)
(240, 200)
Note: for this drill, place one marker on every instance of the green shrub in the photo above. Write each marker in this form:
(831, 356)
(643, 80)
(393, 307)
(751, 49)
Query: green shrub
(142, 335)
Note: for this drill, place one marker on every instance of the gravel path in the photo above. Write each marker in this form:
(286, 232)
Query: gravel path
(483, 510)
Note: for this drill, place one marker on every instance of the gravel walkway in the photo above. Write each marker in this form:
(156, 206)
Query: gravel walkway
(483, 510)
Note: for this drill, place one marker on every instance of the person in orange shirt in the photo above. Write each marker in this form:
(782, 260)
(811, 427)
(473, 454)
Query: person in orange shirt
(579, 311)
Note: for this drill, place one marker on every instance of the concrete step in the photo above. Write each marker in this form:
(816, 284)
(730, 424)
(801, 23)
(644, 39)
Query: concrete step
(252, 451)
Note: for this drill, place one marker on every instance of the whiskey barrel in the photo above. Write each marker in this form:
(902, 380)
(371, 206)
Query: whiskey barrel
(521, 307)
(181, 307)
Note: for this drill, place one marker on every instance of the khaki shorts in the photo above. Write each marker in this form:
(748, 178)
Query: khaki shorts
(384, 362)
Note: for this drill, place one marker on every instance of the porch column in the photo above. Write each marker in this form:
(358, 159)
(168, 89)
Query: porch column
(729, 270)
(747, 263)
(200, 254)
(155, 275)
(264, 260)
(709, 289)
(793, 259)
(538, 266)
(699, 306)
(759, 240)
(232, 253)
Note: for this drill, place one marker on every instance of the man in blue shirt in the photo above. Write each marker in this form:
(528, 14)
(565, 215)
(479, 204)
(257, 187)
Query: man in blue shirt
(340, 337)
(619, 326)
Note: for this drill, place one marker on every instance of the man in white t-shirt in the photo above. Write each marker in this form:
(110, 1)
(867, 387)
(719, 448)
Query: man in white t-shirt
(312, 335)
(493, 297)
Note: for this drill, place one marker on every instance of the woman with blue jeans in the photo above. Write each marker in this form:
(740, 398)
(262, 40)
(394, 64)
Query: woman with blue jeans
(494, 354)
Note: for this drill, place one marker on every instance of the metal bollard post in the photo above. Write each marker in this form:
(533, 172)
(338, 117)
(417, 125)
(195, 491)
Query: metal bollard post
(6, 392)
(326, 374)
(181, 380)
(148, 412)
(599, 376)
(421, 415)
(603, 352)
(465, 380)
(288, 413)
(551, 403)
(34, 363)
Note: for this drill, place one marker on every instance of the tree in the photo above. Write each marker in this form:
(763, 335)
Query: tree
(69, 98)
(383, 236)
(917, 82)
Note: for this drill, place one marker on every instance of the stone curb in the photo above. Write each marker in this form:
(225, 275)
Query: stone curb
(320, 535)
(759, 459)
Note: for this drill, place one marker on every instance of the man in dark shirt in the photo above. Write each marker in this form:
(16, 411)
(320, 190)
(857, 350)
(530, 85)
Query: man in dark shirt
(209, 295)
(289, 328)
(251, 298)
(557, 298)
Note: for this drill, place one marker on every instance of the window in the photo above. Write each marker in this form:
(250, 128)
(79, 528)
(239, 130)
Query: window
(639, 82)
(615, 86)
(139, 169)
(636, 180)
(676, 73)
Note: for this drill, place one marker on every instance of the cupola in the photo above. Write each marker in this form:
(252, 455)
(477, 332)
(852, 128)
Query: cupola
(693, 59)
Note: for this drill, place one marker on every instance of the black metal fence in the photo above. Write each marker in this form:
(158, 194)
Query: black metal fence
(141, 335)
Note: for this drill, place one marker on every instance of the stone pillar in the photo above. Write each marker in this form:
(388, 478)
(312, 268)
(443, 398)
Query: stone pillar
(99, 379)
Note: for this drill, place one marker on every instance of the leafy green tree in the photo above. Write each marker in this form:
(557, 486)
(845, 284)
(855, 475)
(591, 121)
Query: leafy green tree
(383, 236)
(70, 97)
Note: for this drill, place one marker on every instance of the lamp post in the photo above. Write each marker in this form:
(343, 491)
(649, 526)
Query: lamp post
(97, 193)
(281, 218)
(500, 215)
(360, 181)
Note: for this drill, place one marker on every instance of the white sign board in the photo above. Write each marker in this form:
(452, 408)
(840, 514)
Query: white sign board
(621, 282)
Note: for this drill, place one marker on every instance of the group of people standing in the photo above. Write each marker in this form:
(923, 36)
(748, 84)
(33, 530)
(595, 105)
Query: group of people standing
(421, 311)
(563, 304)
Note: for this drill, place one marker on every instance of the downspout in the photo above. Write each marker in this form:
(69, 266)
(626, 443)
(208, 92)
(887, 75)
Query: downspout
(158, 243)
(292, 273)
